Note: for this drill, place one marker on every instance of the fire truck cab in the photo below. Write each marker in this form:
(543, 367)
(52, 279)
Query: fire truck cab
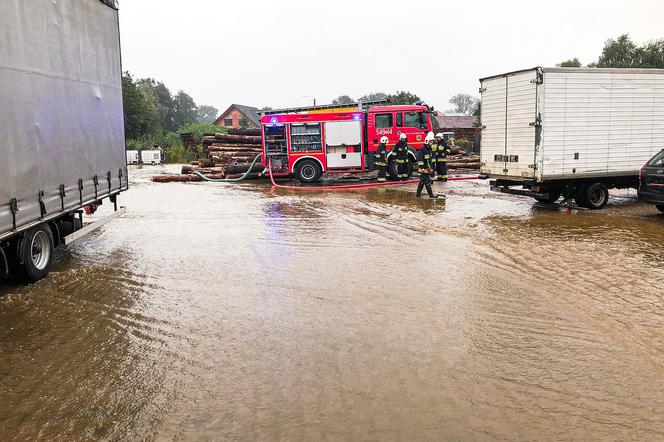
(307, 142)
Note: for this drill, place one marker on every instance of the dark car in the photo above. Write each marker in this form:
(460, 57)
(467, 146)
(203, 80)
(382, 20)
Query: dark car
(651, 189)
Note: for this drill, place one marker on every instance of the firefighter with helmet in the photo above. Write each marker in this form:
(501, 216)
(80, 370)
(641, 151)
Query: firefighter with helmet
(424, 166)
(400, 150)
(380, 159)
(444, 151)
(434, 155)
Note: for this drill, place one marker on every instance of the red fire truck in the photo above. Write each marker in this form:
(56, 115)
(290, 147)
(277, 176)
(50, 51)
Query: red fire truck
(308, 141)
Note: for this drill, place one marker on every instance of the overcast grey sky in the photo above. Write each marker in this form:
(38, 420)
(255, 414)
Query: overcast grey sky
(272, 53)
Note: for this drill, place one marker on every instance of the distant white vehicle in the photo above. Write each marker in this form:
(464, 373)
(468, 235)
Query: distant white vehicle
(151, 156)
(132, 157)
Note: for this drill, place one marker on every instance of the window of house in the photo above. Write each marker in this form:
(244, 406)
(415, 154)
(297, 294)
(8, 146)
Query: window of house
(399, 119)
(228, 122)
(383, 121)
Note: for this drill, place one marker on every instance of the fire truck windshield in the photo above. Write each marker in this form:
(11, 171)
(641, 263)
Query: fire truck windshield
(416, 119)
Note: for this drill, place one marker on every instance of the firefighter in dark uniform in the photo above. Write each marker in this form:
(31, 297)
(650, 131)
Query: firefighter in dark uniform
(380, 159)
(424, 167)
(443, 150)
(400, 150)
(434, 158)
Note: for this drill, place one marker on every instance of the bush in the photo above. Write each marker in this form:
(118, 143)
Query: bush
(179, 155)
(200, 129)
(172, 145)
(464, 144)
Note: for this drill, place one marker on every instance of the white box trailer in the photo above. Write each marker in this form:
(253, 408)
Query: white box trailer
(151, 157)
(61, 122)
(570, 131)
(132, 157)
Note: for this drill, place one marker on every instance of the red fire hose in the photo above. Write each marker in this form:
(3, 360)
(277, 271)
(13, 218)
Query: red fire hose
(360, 186)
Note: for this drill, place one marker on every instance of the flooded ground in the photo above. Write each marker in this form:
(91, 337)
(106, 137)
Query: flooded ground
(234, 312)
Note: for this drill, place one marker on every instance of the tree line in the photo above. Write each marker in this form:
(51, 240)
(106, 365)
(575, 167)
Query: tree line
(152, 110)
(622, 52)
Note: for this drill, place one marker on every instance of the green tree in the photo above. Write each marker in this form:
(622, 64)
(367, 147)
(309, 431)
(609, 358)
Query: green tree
(185, 110)
(244, 122)
(266, 109)
(206, 114)
(619, 53)
(651, 54)
(342, 99)
(464, 104)
(373, 96)
(161, 99)
(165, 107)
(571, 63)
(403, 97)
(137, 110)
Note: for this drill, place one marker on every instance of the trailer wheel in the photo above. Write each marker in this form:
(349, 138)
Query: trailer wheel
(553, 197)
(308, 171)
(660, 207)
(595, 196)
(36, 253)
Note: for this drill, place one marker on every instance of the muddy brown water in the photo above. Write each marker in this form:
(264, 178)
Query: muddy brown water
(217, 312)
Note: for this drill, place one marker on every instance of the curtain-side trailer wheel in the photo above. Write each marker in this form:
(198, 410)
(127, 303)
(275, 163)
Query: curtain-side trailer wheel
(596, 196)
(308, 171)
(36, 253)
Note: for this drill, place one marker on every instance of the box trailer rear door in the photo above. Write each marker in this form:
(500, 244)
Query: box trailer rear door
(493, 113)
(510, 124)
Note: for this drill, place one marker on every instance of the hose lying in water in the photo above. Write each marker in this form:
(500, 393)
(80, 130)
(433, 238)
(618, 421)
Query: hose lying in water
(361, 186)
(231, 180)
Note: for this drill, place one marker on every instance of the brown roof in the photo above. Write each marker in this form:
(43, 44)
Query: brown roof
(457, 122)
(250, 112)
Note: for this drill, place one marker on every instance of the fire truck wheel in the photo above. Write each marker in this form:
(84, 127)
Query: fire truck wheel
(308, 171)
(392, 170)
(36, 253)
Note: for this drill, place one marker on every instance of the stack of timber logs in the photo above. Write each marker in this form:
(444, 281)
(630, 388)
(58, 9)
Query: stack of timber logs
(188, 140)
(233, 148)
(463, 161)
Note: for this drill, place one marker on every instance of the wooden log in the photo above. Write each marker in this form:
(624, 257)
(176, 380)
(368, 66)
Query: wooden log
(237, 139)
(183, 178)
(174, 178)
(217, 149)
(242, 131)
(219, 146)
(463, 165)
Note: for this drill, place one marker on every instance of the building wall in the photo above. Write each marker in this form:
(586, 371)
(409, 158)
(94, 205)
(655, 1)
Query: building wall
(234, 115)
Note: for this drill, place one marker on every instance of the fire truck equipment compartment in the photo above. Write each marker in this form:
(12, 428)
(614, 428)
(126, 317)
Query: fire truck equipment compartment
(343, 141)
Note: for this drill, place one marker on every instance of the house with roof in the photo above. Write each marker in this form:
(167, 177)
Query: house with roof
(238, 115)
(464, 127)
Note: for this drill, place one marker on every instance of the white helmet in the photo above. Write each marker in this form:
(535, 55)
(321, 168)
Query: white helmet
(384, 140)
(429, 137)
(439, 135)
(403, 136)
